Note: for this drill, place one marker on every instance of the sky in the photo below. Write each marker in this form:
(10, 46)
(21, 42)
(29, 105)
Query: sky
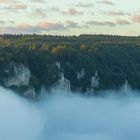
(70, 17)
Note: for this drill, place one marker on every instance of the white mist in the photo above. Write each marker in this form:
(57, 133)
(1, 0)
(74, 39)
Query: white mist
(64, 116)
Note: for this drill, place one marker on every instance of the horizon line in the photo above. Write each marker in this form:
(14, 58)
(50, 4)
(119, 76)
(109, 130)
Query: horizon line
(25, 34)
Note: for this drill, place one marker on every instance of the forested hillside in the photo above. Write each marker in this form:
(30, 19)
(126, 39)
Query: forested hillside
(29, 62)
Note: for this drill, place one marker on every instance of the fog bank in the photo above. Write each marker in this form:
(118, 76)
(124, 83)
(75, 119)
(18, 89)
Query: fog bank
(19, 119)
(65, 116)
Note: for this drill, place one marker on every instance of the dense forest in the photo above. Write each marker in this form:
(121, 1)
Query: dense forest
(86, 61)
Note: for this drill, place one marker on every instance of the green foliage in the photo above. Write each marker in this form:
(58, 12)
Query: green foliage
(116, 58)
(34, 82)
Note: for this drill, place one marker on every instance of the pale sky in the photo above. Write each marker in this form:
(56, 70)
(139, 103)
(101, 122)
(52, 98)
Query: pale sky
(70, 17)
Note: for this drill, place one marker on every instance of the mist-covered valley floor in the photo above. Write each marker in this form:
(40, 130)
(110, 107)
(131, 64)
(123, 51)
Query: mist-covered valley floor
(69, 116)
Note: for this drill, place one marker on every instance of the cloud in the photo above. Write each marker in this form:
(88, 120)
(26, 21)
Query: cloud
(136, 18)
(107, 2)
(12, 22)
(38, 1)
(123, 22)
(50, 26)
(5, 1)
(55, 9)
(20, 6)
(108, 23)
(23, 26)
(16, 6)
(74, 117)
(72, 24)
(16, 115)
(44, 26)
(8, 1)
(20, 28)
(67, 116)
(38, 13)
(101, 23)
(72, 12)
(116, 13)
(38, 28)
(84, 5)
(2, 22)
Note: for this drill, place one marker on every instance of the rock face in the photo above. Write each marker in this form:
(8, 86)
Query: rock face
(95, 80)
(58, 65)
(81, 74)
(126, 88)
(21, 76)
(64, 84)
(94, 84)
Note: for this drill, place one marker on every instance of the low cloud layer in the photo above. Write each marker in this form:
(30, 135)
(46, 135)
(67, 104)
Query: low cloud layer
(38, 28)
(84, 5)
(38, 1)
(123, 22)
(136, 18)
(106, 2)
(72, 12)
(7, 1)
(38, 13)
(19, 119)
(116, 13)
(66, 116)
(72, 24)
(101, 23)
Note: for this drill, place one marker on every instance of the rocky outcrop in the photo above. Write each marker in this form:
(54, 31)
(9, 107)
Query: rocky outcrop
(81, 74)
(126, 88)
(20, 76)
(94, 84)
(58, 65)
(64, 84)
